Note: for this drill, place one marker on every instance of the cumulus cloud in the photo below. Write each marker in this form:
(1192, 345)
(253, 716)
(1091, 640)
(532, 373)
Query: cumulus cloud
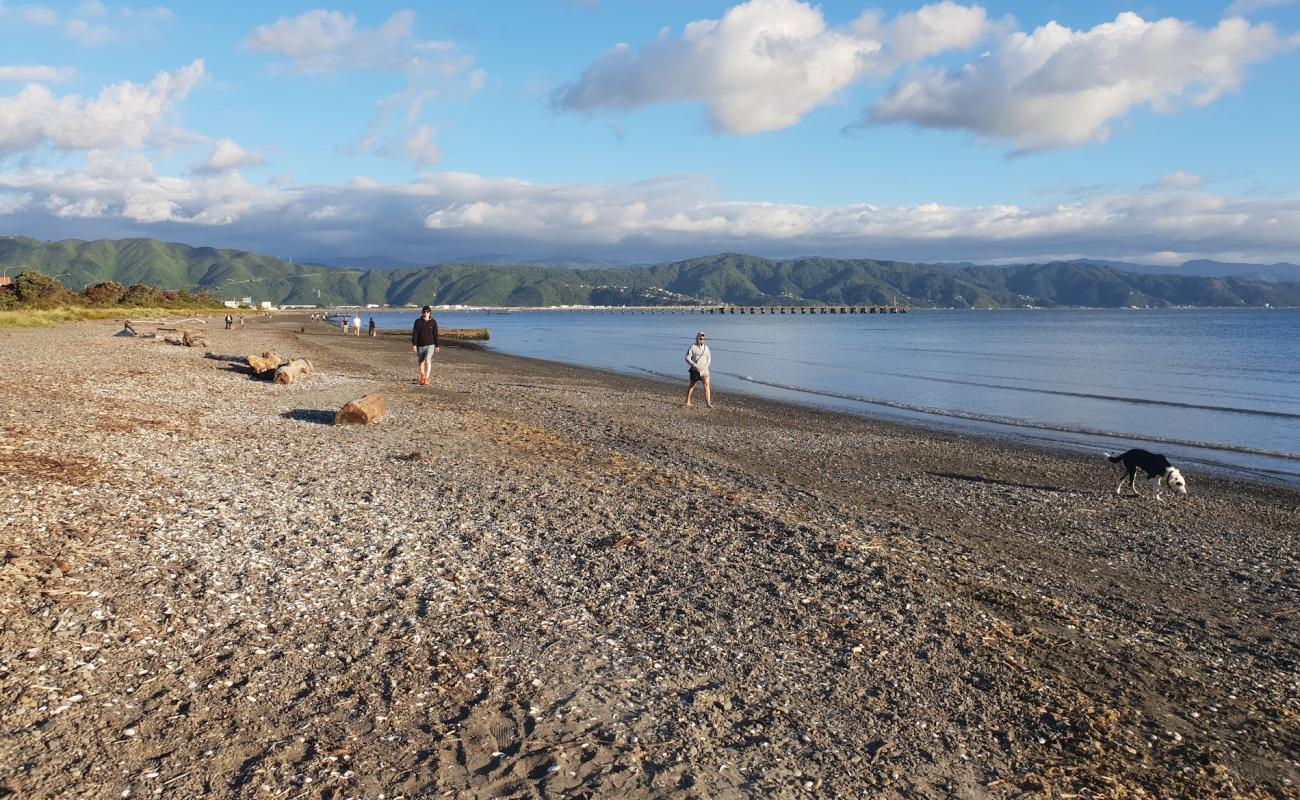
(766, 63)
(1056, 87)
(35, 73)
(124, 115)
(321, 41)
(666, 217)
(228, 155)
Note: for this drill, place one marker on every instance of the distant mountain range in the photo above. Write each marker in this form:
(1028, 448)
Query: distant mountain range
(724, 278)
(1202, 268)
(488, 259)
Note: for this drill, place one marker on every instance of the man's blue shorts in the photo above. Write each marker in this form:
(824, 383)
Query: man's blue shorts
(425, 354)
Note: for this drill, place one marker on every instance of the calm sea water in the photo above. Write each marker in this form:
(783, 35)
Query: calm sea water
(1218, 388)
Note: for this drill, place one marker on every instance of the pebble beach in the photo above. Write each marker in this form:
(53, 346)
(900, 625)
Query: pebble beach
(537, 581)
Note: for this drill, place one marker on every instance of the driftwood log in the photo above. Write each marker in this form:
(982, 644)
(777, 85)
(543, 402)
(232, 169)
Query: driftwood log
(362, 412)
(266, 362)
(292, 371)
(192, 339)
(126, 326)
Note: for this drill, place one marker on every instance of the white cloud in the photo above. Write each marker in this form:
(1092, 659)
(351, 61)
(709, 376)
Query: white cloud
(766, 63)
(124, 115)
(1243, 8)
(321, 41)
(89, 33)
(11, 202)
(1058, 87)
(35, 73)
(666, 217)
(1179, 181)
(91, 23)
(228, 155)
(38, 16)
(421, 149)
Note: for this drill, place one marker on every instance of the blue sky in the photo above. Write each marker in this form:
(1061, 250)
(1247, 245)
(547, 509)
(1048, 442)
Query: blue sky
(646, 131)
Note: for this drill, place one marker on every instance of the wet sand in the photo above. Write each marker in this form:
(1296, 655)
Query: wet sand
(534, 580)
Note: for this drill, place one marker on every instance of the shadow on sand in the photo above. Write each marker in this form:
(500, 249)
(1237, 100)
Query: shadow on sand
(318, 416)
(978, 479)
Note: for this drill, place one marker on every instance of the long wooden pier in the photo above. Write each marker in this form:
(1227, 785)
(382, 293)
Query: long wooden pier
(711, 309)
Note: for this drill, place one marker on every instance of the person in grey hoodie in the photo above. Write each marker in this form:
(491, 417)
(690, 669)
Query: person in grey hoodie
(699, 357)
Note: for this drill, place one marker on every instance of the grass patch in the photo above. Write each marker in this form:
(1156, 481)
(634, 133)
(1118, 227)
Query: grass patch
(45, 317)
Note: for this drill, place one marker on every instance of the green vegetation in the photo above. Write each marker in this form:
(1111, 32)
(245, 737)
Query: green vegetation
(726, 278)
(35, 300)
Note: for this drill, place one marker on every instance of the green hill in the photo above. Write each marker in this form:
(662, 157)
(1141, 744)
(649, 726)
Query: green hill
(725, 278)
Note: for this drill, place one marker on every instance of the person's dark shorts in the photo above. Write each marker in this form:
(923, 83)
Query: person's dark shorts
(424, 354)
(695, 375)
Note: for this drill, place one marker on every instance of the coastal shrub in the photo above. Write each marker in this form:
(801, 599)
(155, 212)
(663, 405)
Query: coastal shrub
(138, 294)
(108, 293)
(38, 290)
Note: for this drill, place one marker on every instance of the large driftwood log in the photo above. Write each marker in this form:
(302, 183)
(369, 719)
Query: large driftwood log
(292, 371)
(266, 362)
(362, 412)
(192, 339)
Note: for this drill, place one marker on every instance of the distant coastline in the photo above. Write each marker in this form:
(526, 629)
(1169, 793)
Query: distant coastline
(721, 279)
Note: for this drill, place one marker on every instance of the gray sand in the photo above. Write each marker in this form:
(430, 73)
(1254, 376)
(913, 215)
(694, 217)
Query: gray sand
(531, 580)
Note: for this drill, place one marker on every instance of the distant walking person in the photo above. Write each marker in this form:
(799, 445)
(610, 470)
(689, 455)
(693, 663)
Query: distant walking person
(346, 321)
(699, 357)
(424, 342)
(356, 324)
(230, 322)
(373, 334)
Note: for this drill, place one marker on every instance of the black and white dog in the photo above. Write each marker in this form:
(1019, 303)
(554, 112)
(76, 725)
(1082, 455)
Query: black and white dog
(1156, 467)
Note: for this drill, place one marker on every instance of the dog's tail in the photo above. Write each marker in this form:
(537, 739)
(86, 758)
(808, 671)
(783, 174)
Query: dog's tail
(1112, 458)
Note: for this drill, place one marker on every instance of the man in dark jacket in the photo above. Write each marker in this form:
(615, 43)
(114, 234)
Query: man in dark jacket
(424, 342)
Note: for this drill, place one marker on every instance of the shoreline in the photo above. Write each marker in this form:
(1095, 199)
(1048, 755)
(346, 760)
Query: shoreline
(535, 579)
(1053, 438)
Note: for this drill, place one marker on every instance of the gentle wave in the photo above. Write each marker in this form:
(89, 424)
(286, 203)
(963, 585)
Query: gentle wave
(986, 418)
(1137, 401)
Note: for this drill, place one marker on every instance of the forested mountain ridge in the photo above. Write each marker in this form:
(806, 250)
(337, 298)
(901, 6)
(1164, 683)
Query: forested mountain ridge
(724, 278)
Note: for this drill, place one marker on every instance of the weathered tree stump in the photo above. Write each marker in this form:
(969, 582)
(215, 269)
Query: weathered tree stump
(362, 412)
(292, 371)
(192, 339)
(266, 362)
(126, 326)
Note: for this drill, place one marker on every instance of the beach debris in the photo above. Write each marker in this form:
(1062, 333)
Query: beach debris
(267, 362)
(187, 338)
(362, 412)
(292, 371)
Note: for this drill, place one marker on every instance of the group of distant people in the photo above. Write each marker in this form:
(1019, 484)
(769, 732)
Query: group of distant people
(424, 343)
(355, 323)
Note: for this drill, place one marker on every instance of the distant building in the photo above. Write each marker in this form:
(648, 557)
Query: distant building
(6, 283)
(230, 303)
(265, 304)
